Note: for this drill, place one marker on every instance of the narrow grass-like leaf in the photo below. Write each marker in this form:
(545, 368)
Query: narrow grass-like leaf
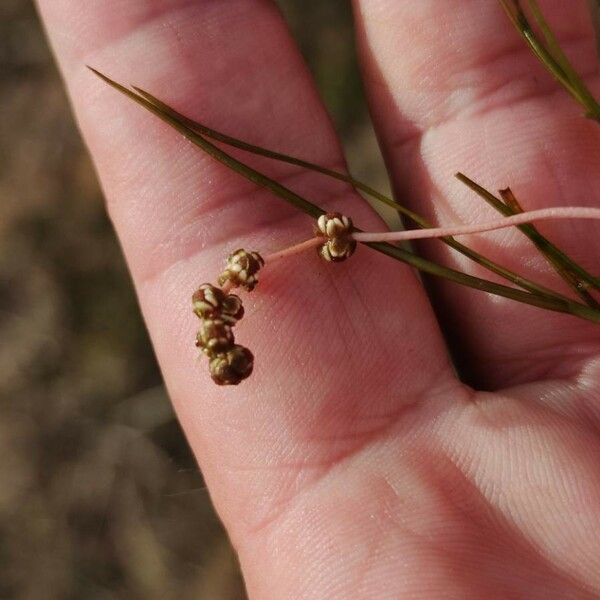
(554, 63)
(521, 23)
(551, 42)
(552, 252)
(572, 280)
(418, 262)
(295, 199)
(478, 258)
(557, 52)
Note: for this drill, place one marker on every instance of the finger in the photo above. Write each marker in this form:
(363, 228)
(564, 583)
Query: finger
(325, 337)
(454, 88)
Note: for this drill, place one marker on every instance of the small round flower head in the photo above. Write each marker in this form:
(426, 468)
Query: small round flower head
(208, 301)
(214, 336)
(231, 367)
(232, 309)
(242, 268)
(337, 229)
(334, 225)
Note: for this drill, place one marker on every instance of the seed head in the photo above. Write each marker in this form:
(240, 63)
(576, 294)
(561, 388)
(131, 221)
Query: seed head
(231, 367)
(337, 229)
(219, 312)
(214, 337)
(232, 309)
(241, 269)
(210, 302)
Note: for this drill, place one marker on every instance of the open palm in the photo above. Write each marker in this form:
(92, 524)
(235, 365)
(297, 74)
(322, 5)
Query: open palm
(354, 463)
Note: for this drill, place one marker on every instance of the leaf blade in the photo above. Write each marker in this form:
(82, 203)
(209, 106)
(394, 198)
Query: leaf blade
(543, 244)
(418, 262)
(476, 257)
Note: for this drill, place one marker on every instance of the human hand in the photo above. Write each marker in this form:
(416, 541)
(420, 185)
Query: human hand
(353, 463)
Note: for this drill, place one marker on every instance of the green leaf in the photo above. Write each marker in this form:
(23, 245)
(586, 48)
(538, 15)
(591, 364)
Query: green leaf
(553, 253)
(557, 53)
(572, 280)
(478, 258)
(297, 201)
(551, 55)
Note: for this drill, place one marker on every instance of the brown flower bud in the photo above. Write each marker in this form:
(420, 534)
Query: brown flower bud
(231, 367)
(241, 269)
(214, 336)
(232, 310)
(337, 229)
(208, 301)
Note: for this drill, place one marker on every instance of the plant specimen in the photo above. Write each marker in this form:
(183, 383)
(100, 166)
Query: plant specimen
(336, 237)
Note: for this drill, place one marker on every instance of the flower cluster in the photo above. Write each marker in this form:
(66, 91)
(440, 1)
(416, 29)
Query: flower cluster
(219, 311)
(241, 270)
(229, 363)
(337, 229)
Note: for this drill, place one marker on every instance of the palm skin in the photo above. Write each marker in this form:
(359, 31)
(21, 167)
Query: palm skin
(354, 463)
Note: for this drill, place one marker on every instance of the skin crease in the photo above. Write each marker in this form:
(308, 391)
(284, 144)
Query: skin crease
(353, 464)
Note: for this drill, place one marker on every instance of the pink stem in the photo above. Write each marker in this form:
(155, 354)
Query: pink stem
(306, 245)
(542, 214)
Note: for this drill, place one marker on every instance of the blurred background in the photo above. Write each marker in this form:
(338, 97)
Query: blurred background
(99, 494)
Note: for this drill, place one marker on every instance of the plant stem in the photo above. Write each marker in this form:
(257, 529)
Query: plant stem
(292, 250)
(557, 63)
(543, 214)
(557, 305)
(570, 278)
(551, 303)
(556, 255)
(487, 263)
